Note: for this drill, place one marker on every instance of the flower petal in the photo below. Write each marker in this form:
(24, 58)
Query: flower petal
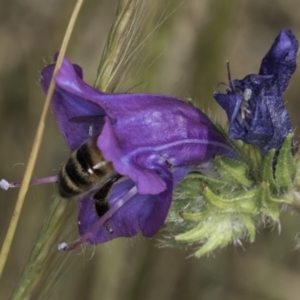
(142, 213)
(67, 108)
(143, 131)
(280, 61)
(254, 106)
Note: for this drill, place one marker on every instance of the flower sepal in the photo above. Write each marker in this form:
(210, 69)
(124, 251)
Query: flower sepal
(232, 171)
(285, 166)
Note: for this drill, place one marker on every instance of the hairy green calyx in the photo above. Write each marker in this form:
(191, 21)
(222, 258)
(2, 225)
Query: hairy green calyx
(230, 205)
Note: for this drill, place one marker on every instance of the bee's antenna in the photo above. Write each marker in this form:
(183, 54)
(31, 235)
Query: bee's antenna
(229, 77)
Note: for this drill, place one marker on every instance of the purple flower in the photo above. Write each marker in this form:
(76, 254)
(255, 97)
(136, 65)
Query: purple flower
(152, 140)
(254, 105)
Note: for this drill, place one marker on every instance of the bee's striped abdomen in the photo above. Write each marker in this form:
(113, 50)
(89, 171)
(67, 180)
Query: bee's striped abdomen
(83, 170)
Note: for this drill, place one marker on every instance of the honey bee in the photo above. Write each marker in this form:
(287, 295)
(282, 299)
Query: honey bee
(87, 170)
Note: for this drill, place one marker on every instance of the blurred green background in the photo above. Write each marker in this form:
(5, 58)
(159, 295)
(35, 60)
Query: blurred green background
(185, 57)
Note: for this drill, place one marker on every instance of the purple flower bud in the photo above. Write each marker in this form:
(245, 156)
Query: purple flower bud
(153, 141)
(254, 105)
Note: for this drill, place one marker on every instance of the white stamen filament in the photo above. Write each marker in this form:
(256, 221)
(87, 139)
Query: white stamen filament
(5, 185)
